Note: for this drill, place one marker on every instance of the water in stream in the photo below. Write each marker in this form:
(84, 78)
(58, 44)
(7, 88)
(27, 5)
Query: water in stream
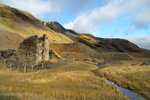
(128, 93)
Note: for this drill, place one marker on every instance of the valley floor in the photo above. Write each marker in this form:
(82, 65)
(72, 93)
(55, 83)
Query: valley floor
(133, 75)
(72, 81)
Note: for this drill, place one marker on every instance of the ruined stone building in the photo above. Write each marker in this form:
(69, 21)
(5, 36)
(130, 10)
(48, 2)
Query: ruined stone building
(33, 50)
(53, 55)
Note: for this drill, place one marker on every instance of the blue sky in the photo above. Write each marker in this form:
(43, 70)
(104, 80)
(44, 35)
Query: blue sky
(128, 19)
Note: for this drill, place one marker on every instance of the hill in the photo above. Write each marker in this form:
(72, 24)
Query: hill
(15, 25)
(101, 45)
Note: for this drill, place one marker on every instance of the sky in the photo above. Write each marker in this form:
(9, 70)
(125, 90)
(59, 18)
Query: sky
(126, 19)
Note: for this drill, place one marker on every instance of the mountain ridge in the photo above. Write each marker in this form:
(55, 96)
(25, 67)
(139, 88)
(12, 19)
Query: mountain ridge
(100, 44)
(16, 25)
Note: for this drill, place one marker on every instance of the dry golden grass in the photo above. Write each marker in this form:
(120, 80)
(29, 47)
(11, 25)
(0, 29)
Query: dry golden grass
(87, 38)
(131, 76)
(73, 81)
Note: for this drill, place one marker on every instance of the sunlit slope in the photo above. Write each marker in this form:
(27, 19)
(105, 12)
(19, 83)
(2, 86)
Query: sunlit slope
(15, 25)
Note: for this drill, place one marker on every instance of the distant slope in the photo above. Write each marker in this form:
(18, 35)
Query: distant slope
(15, 25)
(101, 44)
(74, 47)
(60, 29)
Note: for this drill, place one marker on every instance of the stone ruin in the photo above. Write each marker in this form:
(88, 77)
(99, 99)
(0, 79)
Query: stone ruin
(34, 50)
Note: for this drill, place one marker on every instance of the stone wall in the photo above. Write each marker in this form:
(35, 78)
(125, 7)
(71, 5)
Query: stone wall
(7, 53)
(45, 55)
(54, 55)
(33, 50)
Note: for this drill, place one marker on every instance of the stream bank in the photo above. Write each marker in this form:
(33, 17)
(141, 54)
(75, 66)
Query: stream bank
(127, 92)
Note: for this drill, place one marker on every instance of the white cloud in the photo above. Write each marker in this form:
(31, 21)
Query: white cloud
(89, 21)
(36, 7)
(142, 20)
(39, 8)
(142, 41)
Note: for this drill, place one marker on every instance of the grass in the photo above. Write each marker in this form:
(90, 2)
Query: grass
(131, 76)
(88, 39)
(73, 81)
(6, 97)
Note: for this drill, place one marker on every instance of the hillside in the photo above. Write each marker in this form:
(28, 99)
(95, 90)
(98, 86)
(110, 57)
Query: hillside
(15, 25)
(101, 45)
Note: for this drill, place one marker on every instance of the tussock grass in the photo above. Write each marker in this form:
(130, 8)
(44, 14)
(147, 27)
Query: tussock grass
(73, 81)
(131, 76)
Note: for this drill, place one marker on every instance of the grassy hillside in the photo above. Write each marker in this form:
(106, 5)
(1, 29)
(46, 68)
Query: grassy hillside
(73, 81)
(15, 25)
(79, 50)
(101, 44)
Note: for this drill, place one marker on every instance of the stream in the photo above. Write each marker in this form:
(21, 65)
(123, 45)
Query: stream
(127, 92)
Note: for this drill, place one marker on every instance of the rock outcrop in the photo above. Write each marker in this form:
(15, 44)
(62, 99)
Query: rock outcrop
(60, 29)
(55, 26)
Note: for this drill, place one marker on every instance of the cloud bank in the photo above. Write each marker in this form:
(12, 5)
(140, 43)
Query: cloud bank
(89, 21)
(39, 8)
(142, 41)
(142, 20)
(36, 7)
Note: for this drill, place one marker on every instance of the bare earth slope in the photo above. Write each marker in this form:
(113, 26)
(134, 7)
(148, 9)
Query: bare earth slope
(15, 25)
